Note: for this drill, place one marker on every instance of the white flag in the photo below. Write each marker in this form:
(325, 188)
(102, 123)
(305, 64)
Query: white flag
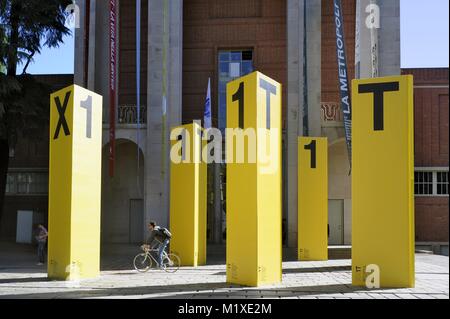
(207, 115)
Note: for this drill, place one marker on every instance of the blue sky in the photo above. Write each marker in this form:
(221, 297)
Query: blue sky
(424, 36)
(54, 61)
(424, 33)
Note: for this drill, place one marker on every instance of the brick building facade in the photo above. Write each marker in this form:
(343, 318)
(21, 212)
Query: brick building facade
(431, 153)
(27, 182)
(185, 42)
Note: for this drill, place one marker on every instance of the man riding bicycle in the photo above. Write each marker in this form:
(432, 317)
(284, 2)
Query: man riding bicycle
(159, 237)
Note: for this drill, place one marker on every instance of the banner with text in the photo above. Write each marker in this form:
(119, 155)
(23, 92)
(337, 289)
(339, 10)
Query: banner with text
(344, 87)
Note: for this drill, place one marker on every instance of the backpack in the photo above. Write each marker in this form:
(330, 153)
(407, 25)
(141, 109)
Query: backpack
(166, 233)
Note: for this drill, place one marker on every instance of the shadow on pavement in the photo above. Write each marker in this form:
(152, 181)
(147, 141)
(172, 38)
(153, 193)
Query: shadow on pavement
(276, 293)
(125, 291)
(304, 270)
(316, 269)
(200, 291)
(23, 280)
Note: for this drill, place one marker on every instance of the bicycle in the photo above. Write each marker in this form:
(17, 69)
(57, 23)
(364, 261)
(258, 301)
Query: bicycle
(144, 261)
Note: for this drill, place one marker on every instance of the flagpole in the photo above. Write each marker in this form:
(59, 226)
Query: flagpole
(138, 85)
(207, 124)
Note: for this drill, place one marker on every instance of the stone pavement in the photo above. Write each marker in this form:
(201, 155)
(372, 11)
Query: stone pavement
(21, 278)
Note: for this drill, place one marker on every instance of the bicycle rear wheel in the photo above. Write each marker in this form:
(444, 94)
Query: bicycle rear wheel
(142, 262)
(171, 263)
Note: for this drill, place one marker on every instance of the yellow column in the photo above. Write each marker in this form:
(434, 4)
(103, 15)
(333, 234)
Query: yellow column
(312, 199)
(188, 195)
(383, 181)
(202, 207)
(254, 246)
(74, 184)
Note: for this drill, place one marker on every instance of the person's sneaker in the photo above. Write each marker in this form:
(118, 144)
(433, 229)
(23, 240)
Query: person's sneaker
(39, 264)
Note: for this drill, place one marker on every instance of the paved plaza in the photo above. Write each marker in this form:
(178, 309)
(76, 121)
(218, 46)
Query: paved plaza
(20, 277)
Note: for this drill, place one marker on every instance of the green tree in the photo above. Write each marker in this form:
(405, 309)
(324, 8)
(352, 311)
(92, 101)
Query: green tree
(25, 27)
(2, 43)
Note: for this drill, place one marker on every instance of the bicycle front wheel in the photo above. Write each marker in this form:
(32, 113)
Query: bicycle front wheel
(171, 263)
(142, 262)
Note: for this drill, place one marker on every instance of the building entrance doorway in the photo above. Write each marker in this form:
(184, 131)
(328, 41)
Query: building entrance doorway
(336, 222)
(122, 206)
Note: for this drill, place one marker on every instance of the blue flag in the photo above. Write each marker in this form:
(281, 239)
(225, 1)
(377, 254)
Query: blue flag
(207, 116)
(344, 84)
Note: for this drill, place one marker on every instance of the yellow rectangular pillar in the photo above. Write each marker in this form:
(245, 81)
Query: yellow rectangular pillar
(383, 181)
(312, 199)
(188, 195)
(254, 247)
(74, 184)
(202, 207)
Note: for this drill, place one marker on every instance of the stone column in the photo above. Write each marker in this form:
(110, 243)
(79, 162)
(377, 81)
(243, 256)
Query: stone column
(389, 38)
(80, 46)
(92, 44)
(98, 52)
(304, 94)
(363, 61)
(165, 45)
(294, 116)
(314, 65)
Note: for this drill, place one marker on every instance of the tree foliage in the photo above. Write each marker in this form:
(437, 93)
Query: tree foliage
(25, 28)
(30, 25)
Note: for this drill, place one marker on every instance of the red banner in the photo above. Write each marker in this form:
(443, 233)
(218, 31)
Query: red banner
(112, 87)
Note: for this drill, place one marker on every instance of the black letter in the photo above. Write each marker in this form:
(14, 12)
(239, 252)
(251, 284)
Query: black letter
(239, 96)
(378, 90)
(62, 119)
(312, 147)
